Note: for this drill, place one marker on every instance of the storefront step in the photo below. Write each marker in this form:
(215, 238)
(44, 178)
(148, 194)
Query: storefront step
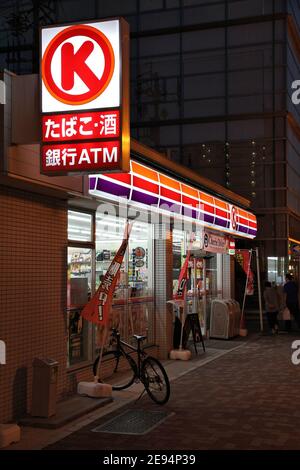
(66, 411)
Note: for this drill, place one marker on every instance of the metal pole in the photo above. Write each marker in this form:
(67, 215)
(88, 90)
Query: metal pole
(183, 317)
(259, 291)
(205, 299)
(195, 300)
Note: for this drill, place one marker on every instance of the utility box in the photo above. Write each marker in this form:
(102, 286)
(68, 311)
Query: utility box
(225, 318)
(44, 387)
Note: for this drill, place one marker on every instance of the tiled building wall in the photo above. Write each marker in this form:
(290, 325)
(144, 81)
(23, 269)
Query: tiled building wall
(228, 277)
(163, 289)
(33, 235)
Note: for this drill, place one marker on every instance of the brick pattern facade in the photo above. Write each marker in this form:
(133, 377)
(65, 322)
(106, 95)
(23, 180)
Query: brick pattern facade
(33, 259)
(163, 290)
(226, 276)
(33, 234)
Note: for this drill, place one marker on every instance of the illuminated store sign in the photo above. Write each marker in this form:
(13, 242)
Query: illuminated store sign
(215, 243)
(81, 126)
(84, 96)
(148, 187)
(88, 156)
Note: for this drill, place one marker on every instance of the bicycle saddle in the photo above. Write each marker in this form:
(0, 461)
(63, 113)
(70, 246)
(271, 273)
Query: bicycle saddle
(139, 337)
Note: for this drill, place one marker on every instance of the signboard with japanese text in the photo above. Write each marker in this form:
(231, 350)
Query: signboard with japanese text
(81, 126)
(87, 156)
(98, 308)
(214, 243)
(85, 98)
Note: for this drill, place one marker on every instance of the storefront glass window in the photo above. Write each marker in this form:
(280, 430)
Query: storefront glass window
(140, 281)
(79, 226)
(196, 272)
(79, 292)
(109, 236)
(211, 276)
(276, 269)
(204, 274)
(132, 310)
(178, 252)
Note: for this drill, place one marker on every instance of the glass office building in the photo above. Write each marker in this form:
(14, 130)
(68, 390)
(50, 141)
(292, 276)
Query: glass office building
(210, 87)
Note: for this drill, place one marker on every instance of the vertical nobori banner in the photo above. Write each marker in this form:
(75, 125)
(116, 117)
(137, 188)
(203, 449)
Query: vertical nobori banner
(84, 80)
(181, 290)
(244, 259)
(98, 308)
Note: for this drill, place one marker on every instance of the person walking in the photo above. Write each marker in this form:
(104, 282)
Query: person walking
(272, 306)
(291, 300)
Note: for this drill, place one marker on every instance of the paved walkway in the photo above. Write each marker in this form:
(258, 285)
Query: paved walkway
(242, 394)
(247, 398)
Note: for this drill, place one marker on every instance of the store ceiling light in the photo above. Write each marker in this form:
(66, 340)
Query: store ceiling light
(79, 216)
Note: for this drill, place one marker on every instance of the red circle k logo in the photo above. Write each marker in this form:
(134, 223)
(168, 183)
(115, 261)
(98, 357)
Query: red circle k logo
(78, 64)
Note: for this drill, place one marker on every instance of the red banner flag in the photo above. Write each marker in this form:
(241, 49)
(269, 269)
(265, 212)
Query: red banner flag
(181, 289)
(244, 259)
(97, 309)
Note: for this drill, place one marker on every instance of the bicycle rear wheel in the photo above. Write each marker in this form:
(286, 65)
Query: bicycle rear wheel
(155, 380)
(117, 373)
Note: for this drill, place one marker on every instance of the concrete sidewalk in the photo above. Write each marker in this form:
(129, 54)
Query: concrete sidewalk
(246, 399)
(35, 439)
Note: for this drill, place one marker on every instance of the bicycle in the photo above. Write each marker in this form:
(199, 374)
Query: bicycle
(146, 369)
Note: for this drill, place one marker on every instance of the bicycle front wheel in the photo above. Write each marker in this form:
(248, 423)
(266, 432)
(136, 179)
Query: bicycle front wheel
(155, 380)
(117, 369)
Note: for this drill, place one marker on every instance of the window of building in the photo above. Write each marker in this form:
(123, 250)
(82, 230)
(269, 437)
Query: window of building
(80, 226)
(132, 309)
(205, 274)
(80, 283)
(133, 303)
(276, 269)
(79, 293)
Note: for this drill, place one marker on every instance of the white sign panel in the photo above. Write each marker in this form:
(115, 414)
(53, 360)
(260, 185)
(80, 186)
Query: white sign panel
(214, 243)
(81, 66)
(2, 352)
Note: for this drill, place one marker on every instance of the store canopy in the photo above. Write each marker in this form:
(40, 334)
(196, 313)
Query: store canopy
(152, 189)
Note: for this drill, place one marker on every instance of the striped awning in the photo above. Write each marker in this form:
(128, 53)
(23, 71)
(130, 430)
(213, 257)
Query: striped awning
(147, 187)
